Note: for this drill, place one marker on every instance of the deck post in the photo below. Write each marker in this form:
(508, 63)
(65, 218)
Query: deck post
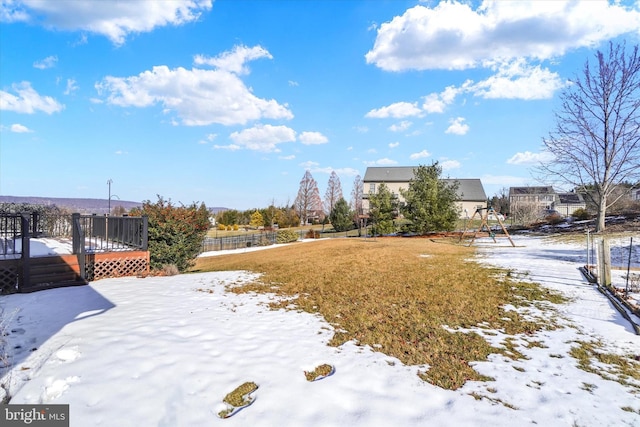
(25, 279)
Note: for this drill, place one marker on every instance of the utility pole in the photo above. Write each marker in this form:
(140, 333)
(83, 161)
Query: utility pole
(109, 181)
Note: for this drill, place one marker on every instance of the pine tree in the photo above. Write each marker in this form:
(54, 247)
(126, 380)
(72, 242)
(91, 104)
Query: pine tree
(341, 217)
(383, 209)
(430, 202)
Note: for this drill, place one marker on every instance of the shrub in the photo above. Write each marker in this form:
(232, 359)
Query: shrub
(175, 232)
(286, 236)
(554, 219)
(581, 214)
(222, 227)
(170, 270)
(312, 234)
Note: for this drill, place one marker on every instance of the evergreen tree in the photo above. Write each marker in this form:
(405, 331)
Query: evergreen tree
(341, 217)
(383, 209)
(430, 203)
(256, 219)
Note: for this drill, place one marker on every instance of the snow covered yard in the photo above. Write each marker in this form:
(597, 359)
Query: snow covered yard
(164, 351)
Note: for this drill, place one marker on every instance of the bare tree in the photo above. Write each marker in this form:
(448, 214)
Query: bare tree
(596, 140)
(525, 213)
(333, 193)
(308, 200)
(356, 195)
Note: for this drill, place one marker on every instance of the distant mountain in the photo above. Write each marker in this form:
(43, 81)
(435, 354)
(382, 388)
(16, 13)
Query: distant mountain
(83, 206)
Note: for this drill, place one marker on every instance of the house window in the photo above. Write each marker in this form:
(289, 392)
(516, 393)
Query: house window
(372, 188)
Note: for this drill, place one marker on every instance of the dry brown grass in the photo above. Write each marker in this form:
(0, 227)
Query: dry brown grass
(396, 294)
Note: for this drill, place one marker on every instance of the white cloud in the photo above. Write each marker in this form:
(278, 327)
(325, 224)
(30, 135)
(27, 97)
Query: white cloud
(18, 128)
(230, 147)
(12, 11)
(457, 126)
(312, 138)
(71, 87)
(518, 80)
(400, 127)
(48, 62)
(529, 158)
(289, 157)
(234, 61)
(397, 110)
(114, 20)
(28, 101)
(421, 155)
(381, 162)
(264, 138)
(450, 164)
(199, 97)
(394, 144)
(210, 137)
(452, 35)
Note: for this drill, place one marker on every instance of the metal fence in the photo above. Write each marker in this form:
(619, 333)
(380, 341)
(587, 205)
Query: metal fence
(238, 242)
(13, 233)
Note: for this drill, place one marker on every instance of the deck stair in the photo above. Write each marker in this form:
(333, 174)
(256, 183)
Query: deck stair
(54, 271)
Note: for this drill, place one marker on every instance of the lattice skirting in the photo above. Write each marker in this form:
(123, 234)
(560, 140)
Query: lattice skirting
(117, 264)
(9, 271)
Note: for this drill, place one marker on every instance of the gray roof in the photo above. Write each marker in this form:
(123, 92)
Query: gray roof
(570, 198)
(531, 190)
(469, 189)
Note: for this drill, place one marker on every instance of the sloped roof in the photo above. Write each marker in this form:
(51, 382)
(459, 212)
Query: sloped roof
(547, 189)
(469, 189)
(570, 198)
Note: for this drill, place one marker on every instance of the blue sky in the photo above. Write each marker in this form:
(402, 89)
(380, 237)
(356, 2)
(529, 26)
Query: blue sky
(229, 102)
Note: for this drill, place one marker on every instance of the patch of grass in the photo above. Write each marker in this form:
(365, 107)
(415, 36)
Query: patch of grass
(381, 292)
(323, 370)
(479, 396)
(622, 369)
(238, 398)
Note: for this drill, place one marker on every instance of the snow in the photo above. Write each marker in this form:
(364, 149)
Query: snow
(164, 351)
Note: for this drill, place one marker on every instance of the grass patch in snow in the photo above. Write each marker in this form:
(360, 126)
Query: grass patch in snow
(613, 367)
(383, 293)
(238, 398)
(319, 372)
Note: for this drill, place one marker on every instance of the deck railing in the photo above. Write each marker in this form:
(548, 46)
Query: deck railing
(89, 233)
(105, 233)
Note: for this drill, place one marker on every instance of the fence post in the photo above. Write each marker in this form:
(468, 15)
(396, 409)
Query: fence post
(604, 263)
(25, 280)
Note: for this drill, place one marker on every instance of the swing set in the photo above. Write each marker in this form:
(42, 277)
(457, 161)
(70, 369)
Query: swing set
(484, 214)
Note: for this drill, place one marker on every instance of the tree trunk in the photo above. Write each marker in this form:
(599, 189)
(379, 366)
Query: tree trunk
(602, 211)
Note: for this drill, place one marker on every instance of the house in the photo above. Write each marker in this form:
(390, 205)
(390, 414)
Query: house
(568, 203)
(534, 198)
(470, 191)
